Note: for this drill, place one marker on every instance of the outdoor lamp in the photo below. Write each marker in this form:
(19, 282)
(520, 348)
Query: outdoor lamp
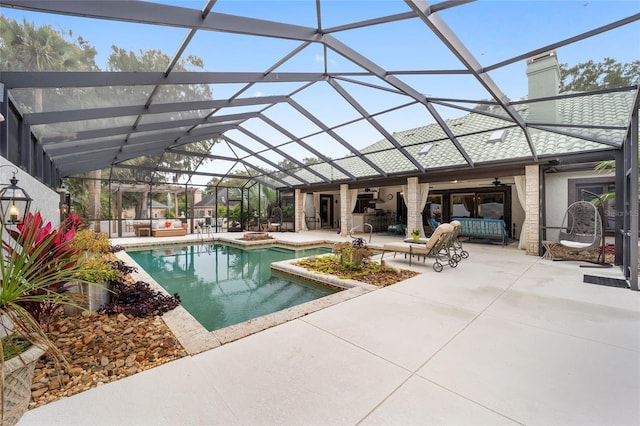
(14, 202)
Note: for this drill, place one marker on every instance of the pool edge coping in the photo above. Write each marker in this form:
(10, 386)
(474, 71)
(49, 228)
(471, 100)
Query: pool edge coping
(195, 338)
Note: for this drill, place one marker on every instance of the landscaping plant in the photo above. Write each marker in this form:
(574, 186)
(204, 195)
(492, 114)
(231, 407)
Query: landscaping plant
(37, 261)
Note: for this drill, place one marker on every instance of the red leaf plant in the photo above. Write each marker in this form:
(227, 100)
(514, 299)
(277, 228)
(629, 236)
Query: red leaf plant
(49, 247)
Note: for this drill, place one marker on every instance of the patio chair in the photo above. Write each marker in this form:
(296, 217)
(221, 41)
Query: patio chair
(275, 220)
(459, 253)
(436, 247)
(581, 226)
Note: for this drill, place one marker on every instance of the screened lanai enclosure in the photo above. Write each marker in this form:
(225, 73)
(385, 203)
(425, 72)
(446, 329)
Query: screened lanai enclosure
(226, 109)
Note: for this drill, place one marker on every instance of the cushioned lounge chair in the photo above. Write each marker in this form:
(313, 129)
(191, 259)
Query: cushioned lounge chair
(436, 247)
(459, 253)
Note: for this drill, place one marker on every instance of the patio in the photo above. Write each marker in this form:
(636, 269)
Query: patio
(503, 338)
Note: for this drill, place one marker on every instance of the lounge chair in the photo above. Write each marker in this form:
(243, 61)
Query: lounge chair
(459, 253)
(436, 247)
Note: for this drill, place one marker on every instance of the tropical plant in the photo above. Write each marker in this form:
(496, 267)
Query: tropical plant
(415, 233)
(37, 251)
(609, 166)
(36, 261)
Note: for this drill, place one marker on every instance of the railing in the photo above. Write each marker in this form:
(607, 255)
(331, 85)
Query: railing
(361, 226)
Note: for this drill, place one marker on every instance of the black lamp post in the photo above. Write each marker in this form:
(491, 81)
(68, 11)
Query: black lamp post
(14, 202)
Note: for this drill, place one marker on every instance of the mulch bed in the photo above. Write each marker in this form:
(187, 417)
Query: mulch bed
(561, 252)
(380, 278)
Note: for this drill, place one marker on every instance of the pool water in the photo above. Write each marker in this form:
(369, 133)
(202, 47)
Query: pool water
(222, 285)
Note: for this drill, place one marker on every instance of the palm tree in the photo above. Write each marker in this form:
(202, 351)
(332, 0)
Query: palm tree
(25, 47)
(607, 167)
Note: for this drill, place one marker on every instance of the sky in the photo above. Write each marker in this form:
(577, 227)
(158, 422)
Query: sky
(491, 30)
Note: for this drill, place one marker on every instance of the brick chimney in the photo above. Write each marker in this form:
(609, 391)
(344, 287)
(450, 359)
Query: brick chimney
(543, 73)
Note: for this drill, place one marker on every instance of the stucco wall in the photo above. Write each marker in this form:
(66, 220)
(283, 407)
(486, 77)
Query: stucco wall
(383, 194)
(557, 197)
(45, 199)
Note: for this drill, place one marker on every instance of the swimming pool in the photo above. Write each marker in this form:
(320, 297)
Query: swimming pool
(222, 285)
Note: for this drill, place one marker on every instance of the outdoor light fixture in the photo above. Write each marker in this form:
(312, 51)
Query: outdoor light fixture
(14, 201)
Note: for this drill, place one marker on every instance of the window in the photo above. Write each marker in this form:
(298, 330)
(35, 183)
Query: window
(463, 205)
(496, 135)
(598, 186)
(426, 148)
(364, 201)
(491, 205)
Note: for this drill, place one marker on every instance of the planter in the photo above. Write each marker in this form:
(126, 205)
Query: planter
(96, 295)
(415, 237)
(18, 374)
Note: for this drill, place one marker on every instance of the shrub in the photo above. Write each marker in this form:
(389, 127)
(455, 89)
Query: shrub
(138, 299)
(40, 261)
(91, 241)
(99, 269)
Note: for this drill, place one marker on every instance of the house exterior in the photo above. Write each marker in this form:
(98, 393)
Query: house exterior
(506, 182)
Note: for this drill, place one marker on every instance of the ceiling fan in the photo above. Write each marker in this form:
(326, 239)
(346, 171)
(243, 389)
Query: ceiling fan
(497, 182)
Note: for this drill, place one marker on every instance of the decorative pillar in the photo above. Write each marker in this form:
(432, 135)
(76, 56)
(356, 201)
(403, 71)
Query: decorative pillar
(532, 207)
(345, 215)
(298, 214)
(94, 210)
(414, 216)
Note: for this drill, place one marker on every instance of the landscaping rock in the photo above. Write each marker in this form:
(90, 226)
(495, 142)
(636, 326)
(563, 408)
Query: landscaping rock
(101, 349)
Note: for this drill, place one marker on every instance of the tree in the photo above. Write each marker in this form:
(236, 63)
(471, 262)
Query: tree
(589, 76)
(155, 60)
(592, 75)
(25, 47)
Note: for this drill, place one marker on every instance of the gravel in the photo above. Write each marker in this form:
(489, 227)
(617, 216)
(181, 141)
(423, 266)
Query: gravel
(100, 349)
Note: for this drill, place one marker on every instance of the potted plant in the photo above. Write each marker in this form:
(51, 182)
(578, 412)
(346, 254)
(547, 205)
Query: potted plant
(99, 270)
(415, 233)
(96, 267)
(37, 261)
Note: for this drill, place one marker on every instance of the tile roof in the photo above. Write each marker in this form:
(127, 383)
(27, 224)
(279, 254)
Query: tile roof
(473, 132)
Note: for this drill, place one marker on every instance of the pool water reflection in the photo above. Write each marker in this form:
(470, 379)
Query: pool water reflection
(222, 285)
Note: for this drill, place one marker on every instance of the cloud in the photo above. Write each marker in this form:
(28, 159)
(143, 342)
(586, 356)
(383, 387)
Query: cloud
(258, 94)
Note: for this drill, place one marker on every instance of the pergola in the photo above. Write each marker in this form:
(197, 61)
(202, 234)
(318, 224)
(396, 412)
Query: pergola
(308, 88)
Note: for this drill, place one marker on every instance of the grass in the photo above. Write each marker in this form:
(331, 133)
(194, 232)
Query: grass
(13, 347)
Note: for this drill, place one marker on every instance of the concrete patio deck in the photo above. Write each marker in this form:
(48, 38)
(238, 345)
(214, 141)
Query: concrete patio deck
(504, 338)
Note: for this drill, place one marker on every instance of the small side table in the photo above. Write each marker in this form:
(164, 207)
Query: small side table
(419, 241)
(144, 231)
(548, 254)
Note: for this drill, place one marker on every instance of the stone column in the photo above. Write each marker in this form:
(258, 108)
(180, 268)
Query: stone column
(532, 206)
(345, 214)
(298, 214)
(94, 207)
(414, 216)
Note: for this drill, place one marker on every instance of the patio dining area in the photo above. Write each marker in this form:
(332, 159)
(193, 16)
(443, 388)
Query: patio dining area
(504, 338)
